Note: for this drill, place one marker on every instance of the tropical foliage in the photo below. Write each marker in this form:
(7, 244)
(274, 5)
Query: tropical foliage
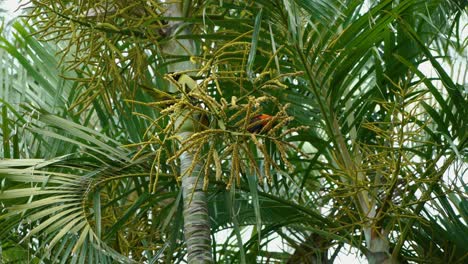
(365, 150)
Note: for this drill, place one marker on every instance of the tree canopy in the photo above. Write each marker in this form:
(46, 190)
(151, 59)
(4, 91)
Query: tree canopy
(108, 106)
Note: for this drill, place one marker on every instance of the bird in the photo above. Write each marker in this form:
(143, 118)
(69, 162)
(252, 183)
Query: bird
(258, 122)
(164, 99)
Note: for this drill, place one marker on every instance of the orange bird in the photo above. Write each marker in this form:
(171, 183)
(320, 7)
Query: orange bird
(257, 123)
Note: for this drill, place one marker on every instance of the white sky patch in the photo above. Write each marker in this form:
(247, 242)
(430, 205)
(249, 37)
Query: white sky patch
(9, 9)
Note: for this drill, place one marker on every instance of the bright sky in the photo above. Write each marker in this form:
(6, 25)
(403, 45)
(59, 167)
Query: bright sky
(7, 8)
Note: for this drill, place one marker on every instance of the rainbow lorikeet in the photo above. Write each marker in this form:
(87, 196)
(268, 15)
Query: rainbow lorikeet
(258, 122)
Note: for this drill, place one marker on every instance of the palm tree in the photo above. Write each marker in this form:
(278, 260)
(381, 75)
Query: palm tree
(356, 154)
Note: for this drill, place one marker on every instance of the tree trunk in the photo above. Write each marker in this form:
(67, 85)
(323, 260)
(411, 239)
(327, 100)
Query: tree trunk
(196, 218)
(378, 247)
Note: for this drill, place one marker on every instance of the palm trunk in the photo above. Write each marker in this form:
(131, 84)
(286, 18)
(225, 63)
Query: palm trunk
(378, 248)
(196, 218)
